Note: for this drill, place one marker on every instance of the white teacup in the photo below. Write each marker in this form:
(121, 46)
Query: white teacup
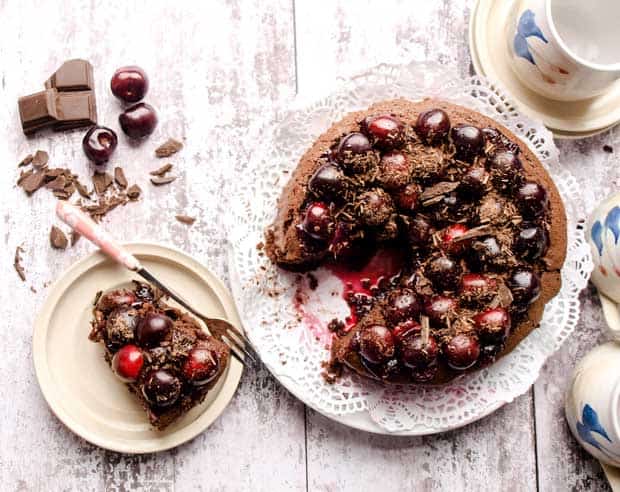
(566, 49)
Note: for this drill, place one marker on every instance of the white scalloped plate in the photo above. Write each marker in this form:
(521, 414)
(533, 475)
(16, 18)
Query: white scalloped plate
(76, 381)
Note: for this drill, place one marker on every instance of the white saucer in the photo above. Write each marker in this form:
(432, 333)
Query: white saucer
(490, 57)
(78, 384)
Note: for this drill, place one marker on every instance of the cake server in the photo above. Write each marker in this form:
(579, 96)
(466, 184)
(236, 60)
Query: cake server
(221, 329)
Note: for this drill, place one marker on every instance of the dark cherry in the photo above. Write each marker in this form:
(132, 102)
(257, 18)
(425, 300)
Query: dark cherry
(433, 126)
(474, 182)
(116, 299)
(419, 231)
(130, 84)
(152, 329)
(525, 286)
(139, 120)
(328, 181)
(438, 308)
(394, 170)
(417, 352)
(353, 144)
(488, 353)
(375, 207)
(485, 253)
(127, 363)
(476, 283)
(405, 327)
(499, 140)
(201, 365)
(377, 344)
(425, 374)
(462, 351)
(385, 131)
(401, 305)
(99, 144)
(443, 272)
(318, 222)
(161, 388)
(407, 198)
(493, 325)
(449, 236)
(531, 241)
(120, 326)
(469, 142)
(505, 168)
(532, 199)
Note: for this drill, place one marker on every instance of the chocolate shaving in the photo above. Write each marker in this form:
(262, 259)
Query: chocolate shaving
(17, 263)
(40, 159)
(162, 170)
(25, 161)
(433, 193)
(58, 239)
(483, 230)
(162, 180)
(81, 189)
(119, 177)
(133, 193)
(75, 237)
(57, 183)
(102, 182)
(186, 219)
(32, 182)
(169, 147)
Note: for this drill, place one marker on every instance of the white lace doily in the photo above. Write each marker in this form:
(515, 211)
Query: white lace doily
(291, 339)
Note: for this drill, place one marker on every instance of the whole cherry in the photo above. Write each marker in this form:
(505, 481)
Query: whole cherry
(443, 272)
(493, 325)
(532, 199)
(450, 242)
(433, 126)
(161, 388)
(377, 344)
(152, 329)
(386, 131)
(402, 304)
(127, 363)
(505, 168)
(329, 181)
(201, 365)
(407, 198)
(417, 352)
(394, 170)
(130, 84)
(469, 142)
(351, 145)
(525, 286)
(438, 308)
(405, 327)
(318, 222)
(138, 121)
(531, 241)
(462, 351)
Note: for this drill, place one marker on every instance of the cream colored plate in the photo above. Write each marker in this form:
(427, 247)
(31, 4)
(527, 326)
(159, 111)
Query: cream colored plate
(489, 51)
(78, 384)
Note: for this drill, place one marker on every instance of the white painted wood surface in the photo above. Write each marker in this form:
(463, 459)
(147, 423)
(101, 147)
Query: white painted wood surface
(218, 71)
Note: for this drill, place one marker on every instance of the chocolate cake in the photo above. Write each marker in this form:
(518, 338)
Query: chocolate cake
(479, 221)
(161, 353)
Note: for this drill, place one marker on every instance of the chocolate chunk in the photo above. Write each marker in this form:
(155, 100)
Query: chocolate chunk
(25, 161)
(57, 184)
(58, 239)
(17, 263)
(133, 193)
(75, 110)
(162, 170)
(186, 219)
(169, 147)
(37, 111)
(82, 190)
(40, 159)
(162, 180)
(437, 191)
(102, 182)
(75, 236)
(119, 177)
(73, 75)
(32, 182)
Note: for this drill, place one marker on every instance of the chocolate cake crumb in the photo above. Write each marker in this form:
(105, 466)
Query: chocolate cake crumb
(25, 161)
(608, 148)
(17, 263)
(134, 192)
(185, 219)
(119, 177)
(162, 180)
(40, 159)
(169, 147)
(260, 246)
(162, 170)
(58, 240)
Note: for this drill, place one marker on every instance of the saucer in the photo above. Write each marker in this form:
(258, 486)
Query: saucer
(491, 58)
(76, 381)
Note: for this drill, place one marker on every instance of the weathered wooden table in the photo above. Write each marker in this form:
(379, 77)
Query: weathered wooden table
(216, 68)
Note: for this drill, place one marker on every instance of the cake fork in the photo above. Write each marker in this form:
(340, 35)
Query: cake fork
(81, 223)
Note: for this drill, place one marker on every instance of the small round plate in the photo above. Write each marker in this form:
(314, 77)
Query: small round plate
(76, 381)
(490, 57)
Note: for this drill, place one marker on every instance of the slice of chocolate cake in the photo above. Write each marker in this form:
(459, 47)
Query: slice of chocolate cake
(478, 219)
(161, 353)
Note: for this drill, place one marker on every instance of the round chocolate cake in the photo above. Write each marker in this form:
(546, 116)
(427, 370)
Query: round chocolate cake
(477, 218)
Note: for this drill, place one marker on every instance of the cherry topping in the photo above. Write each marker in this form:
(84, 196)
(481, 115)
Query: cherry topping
(448, 236)
(433, 126)
(532, 199)
(161, 388)
(424, 374)
(505, 168)
(376, 344)
(493, 325)
(318, 222)
(531, 241)
(385, 130)
(353, 144)
(407, 198)
(525, 286)
(394, 170)
(152, 329)
(130, 84)
(120, 327)
(405, 327)
(402, 304)
(443, 272)
(201, 365)
(417, 352)
(462, 351)
(138, 121)
(419, 231)
(469, 142)
(476, 282)
(438, 308)
(486, 253)
(116, 299)
(499, 140)
(375, 207)
(474, 182)
(127, 363)
(328, 181)
(99, 143)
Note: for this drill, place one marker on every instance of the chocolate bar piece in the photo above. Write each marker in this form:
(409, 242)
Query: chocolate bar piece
(75, 110)
(73, 75)
(38, 110)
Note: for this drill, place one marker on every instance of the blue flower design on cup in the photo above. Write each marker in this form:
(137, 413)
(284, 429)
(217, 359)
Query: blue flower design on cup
(598, 230)
(526, 28)
(590, 427)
